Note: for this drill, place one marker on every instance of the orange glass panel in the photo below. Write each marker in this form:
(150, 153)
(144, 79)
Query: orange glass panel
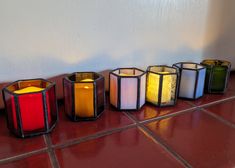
(84, 99)
(27, 83)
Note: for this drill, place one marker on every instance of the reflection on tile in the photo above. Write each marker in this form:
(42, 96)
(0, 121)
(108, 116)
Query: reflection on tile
(11, 145)
(130, 148)
(209, 98)
(149, 111)
(37, 161)
(199, 138)
(225, 110)
(67, 130)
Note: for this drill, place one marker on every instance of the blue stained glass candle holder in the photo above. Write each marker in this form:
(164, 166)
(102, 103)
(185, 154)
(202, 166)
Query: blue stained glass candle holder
(192, 80)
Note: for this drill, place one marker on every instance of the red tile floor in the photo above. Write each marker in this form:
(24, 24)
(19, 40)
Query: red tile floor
(197, 133)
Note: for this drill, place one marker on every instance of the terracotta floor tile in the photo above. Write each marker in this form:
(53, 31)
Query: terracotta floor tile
(199, 138)
(37, 161)
(11, 145)
(130, 148)
(149, 111)
(66, 129)
(225, 110)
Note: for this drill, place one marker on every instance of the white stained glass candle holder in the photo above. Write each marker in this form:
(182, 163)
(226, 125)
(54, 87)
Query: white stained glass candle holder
(192, 80)
(127, 88)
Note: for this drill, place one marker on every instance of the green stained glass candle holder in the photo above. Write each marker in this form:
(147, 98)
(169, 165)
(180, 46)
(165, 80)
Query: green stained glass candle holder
(217, 75)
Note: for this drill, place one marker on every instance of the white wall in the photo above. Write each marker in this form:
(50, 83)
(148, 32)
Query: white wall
(220, 31)
(43, 38)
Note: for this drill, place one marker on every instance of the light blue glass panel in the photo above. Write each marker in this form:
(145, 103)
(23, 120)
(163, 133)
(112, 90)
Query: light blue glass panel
(187, 83)
(201, 82)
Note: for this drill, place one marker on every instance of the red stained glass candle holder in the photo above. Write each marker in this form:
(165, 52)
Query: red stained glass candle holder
(31, 107)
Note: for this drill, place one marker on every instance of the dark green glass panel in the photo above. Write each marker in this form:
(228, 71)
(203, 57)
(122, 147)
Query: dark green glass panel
(218, 78)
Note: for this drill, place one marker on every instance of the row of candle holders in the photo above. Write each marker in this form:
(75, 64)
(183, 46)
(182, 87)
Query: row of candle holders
(31, 106)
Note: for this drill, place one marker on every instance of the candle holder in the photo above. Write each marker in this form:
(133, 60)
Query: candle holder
(192, 79)
(31, 107)
(127, 88)
(162, 84)
(217, 75)
(84, 95)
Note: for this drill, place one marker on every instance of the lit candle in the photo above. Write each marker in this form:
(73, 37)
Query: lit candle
(87, 80)
(124, 74)
(84, 102)
(29, 89)
(153, 87)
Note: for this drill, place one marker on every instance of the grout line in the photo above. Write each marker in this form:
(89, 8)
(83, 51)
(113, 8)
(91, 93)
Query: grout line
(50, 147)
(22, 156)
(217, 102)
(92, 137)
(158, 141)
(132, 118)
(211, 103)
(51, 152)
(161, 143)
(190, 103)
(218, 118)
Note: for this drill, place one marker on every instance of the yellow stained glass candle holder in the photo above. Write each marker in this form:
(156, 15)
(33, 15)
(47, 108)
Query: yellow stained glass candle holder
(162, 83)
(84, 95)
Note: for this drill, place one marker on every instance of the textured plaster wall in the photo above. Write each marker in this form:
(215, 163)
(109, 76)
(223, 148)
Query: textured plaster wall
(49, 37)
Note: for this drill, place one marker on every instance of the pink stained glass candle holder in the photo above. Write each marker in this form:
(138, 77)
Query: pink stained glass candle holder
(127, 88)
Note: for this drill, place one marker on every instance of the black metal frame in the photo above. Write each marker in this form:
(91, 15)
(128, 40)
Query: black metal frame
(180, 68)
(211, 75)
(73, 116)
(138, 77)
(19, 131)
(159, 104)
